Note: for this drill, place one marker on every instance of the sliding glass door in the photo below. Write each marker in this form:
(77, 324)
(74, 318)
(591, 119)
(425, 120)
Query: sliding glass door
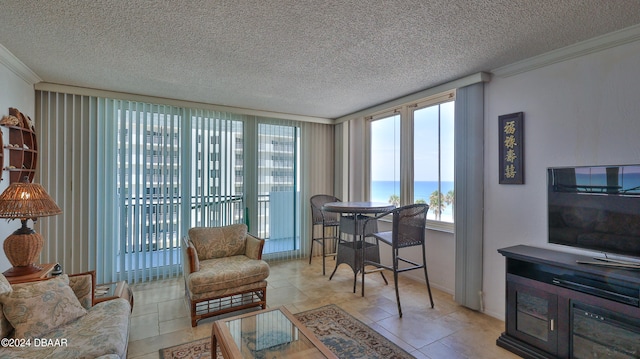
(147, 183)
(133, 177)
(278, 174)
(216, 170)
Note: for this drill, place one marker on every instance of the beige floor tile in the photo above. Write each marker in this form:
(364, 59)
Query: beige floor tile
(142, 309)
(144, 326)
(417, 330)
(477, 342)
(285, 295)
(172, 325)
(154, 344)
(172, 309)
(203, 329)
(438, 350)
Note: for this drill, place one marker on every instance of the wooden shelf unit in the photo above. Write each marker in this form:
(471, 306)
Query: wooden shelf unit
(557, 308)
(22, 153)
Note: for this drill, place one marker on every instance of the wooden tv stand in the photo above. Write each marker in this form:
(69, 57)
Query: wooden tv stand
(558, 308)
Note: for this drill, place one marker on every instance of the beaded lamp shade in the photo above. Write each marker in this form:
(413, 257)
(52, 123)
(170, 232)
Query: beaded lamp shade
(24, 201)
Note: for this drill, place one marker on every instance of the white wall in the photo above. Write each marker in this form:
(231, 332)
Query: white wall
(583, 111)
(18, 93)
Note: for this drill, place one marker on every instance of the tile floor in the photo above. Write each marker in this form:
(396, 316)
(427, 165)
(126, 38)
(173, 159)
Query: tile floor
(161, 317)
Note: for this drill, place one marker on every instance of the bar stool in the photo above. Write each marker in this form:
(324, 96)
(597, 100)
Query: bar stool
(407, 231)
(329, 222)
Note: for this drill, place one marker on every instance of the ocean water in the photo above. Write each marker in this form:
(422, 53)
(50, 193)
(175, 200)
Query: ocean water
(382, 190)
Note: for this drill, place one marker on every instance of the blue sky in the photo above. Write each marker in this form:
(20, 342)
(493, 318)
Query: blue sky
(385, 135)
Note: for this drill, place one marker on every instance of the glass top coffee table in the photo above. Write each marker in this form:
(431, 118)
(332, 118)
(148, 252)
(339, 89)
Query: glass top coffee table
(270, 333)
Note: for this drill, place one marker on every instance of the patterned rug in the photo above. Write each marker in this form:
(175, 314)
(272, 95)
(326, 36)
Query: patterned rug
(344, 335)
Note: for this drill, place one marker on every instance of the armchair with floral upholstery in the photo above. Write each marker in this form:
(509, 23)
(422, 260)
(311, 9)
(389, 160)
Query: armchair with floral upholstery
(223, 271)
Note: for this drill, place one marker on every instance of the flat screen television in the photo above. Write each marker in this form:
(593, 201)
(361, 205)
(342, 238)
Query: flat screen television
(596, 208)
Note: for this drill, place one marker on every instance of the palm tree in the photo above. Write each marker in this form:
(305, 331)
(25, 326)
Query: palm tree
(394, 199)
(420, 201)
(437, 203)
(450, 198)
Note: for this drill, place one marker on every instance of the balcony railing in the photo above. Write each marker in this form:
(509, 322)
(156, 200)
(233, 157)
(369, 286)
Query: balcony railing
(160, 227)
(161, 219)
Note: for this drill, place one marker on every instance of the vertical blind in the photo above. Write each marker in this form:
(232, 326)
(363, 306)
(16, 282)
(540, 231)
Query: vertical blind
(215, 174)
(469, 184)
(147, 184)
(132, 177)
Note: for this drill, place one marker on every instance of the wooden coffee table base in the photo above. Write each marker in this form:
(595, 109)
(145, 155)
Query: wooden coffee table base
(274, 332)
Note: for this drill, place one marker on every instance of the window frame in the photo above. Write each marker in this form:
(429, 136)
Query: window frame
(406, 112)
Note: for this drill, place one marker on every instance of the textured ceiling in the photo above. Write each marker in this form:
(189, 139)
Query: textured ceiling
(315, 58)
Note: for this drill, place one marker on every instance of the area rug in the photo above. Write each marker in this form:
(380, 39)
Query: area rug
(344, 335)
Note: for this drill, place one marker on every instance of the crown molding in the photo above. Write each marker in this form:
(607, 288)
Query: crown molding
(16, 66)
(599, 43)
(418, 96)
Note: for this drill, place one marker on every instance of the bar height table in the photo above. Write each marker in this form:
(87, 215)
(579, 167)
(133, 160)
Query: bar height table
(353, 252)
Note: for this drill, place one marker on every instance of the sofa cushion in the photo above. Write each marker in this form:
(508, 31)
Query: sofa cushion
(224, 273)
(34, 309)
(88, 340)
(103, 333)
(218, 242)
(5, 326)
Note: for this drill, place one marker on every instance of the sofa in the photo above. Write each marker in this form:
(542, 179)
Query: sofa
(223, 271)
(57, 318)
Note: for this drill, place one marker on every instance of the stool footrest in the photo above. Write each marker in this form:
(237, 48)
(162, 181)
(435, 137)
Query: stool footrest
(367, 271)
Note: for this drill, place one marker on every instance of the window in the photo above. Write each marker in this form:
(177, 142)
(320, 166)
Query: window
(411, 158)
(385, 159)
(433, 160)
(278, 191)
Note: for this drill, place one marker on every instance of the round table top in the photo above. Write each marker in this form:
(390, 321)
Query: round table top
(357, 207)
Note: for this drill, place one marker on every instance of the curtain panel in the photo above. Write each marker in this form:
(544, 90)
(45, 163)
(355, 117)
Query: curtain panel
(132, 177)
(469, 189)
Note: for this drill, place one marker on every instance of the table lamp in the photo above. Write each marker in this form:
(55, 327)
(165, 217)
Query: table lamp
(24, 201)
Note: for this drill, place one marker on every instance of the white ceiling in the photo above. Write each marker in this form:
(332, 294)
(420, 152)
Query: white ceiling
(314, 58)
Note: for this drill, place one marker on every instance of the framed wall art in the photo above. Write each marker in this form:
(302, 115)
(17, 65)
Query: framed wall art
(511, 148)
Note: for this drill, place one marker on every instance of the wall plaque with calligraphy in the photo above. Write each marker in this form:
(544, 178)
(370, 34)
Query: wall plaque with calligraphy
(511, 148)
